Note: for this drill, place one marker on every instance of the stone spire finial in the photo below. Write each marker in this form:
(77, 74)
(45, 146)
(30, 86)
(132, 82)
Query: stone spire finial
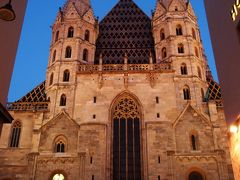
(82, 6)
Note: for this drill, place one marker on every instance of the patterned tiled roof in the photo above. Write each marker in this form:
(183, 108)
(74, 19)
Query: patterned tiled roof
(214, 90)
(36, 95)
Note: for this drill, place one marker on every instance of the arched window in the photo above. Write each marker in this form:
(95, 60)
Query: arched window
(58, 177)
(15, 136)
(180, 48)
(164, 52)
(54, 56)
(87, 35)
(193, 34)
(184, 69)
(68, 53)
(193, 142)
(56, 36)
(186, 93)
(199, 72)
(203, 95)
(51, 79)
(70, 32)
(195, 176)
(60, 147)
(66, 75)
(63, 100)
(196, 52)
(85, 55)
(162, 34)
(179, 30)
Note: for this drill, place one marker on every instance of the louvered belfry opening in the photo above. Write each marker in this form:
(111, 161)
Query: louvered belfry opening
(126, 30)
(126, 160)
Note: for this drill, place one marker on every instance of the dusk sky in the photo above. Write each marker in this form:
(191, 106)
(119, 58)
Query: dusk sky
(32, 56)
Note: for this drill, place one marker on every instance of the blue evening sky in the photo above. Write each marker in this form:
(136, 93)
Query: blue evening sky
(32, 55)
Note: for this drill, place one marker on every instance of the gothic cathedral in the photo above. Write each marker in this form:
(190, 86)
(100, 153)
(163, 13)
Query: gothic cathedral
(126, 98)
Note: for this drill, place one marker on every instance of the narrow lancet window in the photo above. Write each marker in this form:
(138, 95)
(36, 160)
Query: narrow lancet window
(16, 132)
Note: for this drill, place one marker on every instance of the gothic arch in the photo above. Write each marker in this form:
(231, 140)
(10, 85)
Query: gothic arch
(58, 171)
(126, 137)
(197, 171)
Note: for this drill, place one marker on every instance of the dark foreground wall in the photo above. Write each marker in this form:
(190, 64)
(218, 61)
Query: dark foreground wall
(226, 44)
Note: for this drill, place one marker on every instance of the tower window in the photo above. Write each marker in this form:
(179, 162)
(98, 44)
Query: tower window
(51, 79)
(158, 115)
(193, 34)
(159, 177)
(186, 93)
(66, 75)
(70, 32)
(179, 30)
(194, 142)
(68, 53)
(85, 55)
(203, 95)
(199, 72)
(196, 52)
(87, 35)
(159, 159)
(54, 56)
(63, 100)
(16, 131)
(95, 99)
(92, 177)
(60, 147)
(56, 36)
(91, 160)
(180, 48)
(94, 116)
(164, 52)
(162, 34)
(184, 69)
(157, 100)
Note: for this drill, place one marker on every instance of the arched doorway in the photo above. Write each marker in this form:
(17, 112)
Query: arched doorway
(126, 117)
(58, 176)
(195, 176)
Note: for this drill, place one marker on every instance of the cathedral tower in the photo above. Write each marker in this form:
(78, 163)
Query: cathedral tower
(74, 35)
(177, 40)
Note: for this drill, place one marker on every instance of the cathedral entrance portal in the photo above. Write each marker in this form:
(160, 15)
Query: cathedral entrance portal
(126, 118)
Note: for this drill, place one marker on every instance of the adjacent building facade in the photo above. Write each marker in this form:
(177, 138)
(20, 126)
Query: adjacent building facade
(130, 97)
(224, 25)
(10, 33)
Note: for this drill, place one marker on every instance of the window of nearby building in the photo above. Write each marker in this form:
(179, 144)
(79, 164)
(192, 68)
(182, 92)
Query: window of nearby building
(66, 75)
(16, 132)
(164, 52)
(193, 34)
(51, 79)
(68, 53)
(56, 36)
(186, 93)
(180, 48)
(58, 177)
(162, 34)
(87, 35)
(184, 69)
(63, 100)
(54, 56)
(179, 30)
(85, 55)
(70, 32)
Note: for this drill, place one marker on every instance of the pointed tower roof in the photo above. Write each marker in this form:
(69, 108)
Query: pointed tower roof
(167, 3)
(82, 6)
(126, 30)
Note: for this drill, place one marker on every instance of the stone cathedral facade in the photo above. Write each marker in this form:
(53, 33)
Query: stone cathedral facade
(129, 97)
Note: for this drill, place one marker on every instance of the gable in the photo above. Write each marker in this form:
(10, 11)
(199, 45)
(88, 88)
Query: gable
(191, 116)
(190, 9)
(177, 4)
(160, 10)
(89, 16)
(70, 12)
